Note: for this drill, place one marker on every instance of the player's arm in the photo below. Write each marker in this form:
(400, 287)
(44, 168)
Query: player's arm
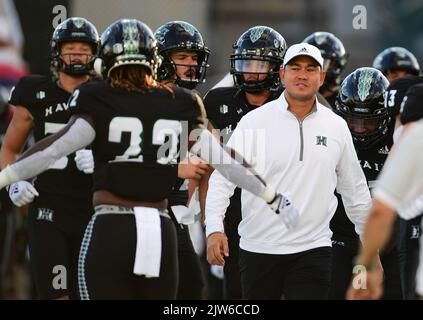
(16, 136)
(78, 133)
(231, 165)
(204, 182)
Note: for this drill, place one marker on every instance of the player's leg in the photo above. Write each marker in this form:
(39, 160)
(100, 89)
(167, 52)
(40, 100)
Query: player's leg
(48, 250)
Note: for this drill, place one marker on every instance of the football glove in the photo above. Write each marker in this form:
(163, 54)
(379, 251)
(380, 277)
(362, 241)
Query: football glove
(84, 161)
(22, 193)
(285, 209)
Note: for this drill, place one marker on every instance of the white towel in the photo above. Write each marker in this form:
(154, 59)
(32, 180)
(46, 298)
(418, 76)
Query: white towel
(149, 242)
(187, 215)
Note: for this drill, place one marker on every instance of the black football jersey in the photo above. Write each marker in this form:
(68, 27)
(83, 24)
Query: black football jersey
(47, 103)
(225, 106)
(139, 137)
(371, 161)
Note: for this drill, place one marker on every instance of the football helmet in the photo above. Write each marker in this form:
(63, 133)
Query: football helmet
(128, 42)
(181, 36)
(73, 30)
(334, 55)
(258, 51)
(360, 102)
(396, 58)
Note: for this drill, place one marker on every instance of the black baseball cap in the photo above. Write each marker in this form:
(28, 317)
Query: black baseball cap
(412, 105)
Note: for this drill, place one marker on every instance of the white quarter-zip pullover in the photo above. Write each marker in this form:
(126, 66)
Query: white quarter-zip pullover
(307, 159)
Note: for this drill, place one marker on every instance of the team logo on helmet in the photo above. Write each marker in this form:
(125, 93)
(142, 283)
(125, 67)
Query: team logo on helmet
(78, 22)
(320, 38)
(161, 35)
(364, 84)
(256, 34)
(130, 37)
(188, 28)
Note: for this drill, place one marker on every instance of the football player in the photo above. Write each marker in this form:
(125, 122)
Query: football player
(360, 102)
(394, 63)
(184, 64)
(134, 124)
(409, 230)
(335, 59)
(255, 62)
(60, 199)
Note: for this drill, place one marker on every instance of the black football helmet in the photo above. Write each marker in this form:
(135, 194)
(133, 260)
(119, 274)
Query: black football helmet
(334, 55)
(259, 50)
(360, 102)
(396, 58)
(128, 42)
(73, 30)
(181, 36)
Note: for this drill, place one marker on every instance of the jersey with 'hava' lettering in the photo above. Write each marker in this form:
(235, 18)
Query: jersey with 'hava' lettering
(47, 104)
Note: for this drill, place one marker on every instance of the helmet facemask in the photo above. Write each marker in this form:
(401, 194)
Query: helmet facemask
(77, 30)
(181, 36)
(195, 73)
(361, 102)
(257, 56)
(367, 131)
(255, 73)
(76, 68)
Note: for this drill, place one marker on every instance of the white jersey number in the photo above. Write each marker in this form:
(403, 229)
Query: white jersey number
(390, 98)
(162, 128)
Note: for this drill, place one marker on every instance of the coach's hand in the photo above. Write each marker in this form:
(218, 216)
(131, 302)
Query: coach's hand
(84, 161)
(285, 209)
(192, 168)
(22, 192)
(217, 248)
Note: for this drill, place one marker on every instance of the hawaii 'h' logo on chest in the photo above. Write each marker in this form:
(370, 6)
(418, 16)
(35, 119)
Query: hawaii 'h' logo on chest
(321, 141)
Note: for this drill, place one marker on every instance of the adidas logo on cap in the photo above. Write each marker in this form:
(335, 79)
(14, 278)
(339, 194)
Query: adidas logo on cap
(304, 49)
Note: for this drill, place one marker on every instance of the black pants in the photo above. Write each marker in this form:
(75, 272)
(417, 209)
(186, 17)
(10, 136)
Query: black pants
(408, 249)
(298, 276)
(232, 279)
(392, 289)
(7, 233)
(191, 282)
(343, 254)
(56, 227)
(107, 260)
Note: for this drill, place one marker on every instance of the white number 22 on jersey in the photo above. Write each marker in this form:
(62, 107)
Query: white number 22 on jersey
(162, 128)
